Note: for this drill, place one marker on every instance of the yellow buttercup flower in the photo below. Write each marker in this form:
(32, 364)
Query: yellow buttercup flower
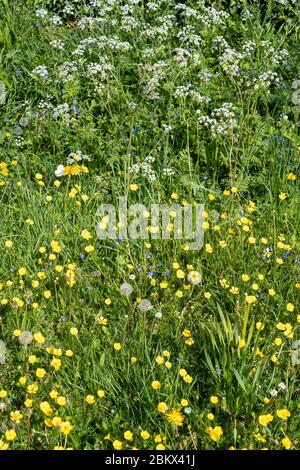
(145, 435)
(180, 274)
(250, 299)
(117, 445)
(16, 416)
(215, 433)
(155, 385)
(3, 445)
(214, 400)
(90, 399)
(287, 443)
(208, 248)
(65, 427)
(40, 373)
(61, 401)
(162, 407)
(265, 420)
(187, 333)
(128, 436)
(290, 307)
(282, 196)
(160, 447)
(10, 435)
(46, 408)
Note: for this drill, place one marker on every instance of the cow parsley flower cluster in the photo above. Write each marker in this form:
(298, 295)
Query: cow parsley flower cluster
(221, 122)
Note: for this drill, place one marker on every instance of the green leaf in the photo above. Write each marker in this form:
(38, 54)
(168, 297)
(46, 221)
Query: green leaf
(102, 359)
(240, 381)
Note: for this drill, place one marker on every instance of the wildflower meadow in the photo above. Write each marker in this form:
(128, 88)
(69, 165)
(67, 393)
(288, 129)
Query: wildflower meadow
(149, 225)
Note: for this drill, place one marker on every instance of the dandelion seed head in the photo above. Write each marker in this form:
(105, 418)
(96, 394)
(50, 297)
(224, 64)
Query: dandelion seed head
(126, 289)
